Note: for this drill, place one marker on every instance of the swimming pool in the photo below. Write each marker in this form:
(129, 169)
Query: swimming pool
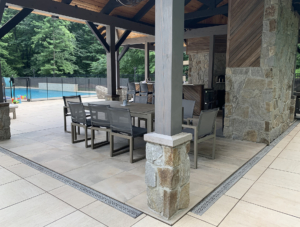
(43, 94)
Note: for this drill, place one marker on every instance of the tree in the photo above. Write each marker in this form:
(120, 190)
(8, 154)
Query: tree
(55, 46)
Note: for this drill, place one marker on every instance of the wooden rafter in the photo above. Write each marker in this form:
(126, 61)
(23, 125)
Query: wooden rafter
(98, 36)
(2, 8)
(59, 9)
(206, 13)
(14, 21)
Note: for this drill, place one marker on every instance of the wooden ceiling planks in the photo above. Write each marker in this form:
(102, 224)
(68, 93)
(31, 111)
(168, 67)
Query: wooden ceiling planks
(245, 33)
(201, 45)
(218, 19)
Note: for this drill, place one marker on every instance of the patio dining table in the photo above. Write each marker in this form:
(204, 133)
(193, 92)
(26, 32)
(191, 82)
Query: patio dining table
(145, 111)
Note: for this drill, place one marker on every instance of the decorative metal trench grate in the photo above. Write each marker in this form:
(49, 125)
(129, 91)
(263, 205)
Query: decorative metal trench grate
(132, 212)
(209, 200)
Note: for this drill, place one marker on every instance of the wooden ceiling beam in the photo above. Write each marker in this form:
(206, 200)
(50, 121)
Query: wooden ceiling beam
(125, 49)
(59, 9)
(68, 2)
(13, 22)
(206, 13)
(2, 8)
(136, 18)
(110, 6)
(98, 36)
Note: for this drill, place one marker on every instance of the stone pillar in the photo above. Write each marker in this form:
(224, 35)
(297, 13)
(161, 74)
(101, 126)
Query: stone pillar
(258, 99)
(4, 122)
(168, 165)
(168, 173)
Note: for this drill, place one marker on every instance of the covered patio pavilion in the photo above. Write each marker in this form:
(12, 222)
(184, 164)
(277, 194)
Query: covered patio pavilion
(261, 46)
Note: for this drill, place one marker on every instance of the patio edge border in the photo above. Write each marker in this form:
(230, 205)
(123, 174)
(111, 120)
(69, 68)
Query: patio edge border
(132, 212)
(209, 200)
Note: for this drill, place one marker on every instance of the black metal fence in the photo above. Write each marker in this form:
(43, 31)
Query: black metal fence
(47, 87)
(297, 82)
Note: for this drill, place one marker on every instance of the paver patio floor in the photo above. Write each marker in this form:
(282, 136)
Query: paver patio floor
(40, 137)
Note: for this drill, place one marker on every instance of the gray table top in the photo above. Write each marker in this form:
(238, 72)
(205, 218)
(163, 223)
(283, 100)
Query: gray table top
(133, 107)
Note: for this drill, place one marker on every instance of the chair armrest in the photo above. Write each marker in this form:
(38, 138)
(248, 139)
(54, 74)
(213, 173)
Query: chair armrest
(189, 126)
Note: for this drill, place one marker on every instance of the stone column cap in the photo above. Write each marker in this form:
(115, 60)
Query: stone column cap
(170, 141)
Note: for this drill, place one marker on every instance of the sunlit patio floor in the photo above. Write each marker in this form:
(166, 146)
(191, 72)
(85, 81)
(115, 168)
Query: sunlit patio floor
(38, 135)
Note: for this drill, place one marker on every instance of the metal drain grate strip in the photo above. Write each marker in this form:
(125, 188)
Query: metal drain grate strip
(132, 212)
(209, 200)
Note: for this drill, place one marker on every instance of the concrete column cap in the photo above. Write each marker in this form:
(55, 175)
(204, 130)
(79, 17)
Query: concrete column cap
(170, 141)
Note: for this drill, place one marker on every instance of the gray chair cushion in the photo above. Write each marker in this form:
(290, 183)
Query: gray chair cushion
(138, 131)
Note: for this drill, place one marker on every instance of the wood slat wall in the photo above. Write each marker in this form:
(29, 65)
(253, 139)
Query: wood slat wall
(245, 24)
(201, 45)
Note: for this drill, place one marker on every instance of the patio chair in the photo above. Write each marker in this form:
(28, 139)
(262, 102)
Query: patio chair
(66, 108)
(131, 90)
(100, 122)
(79, 119)
(205, 130)
(143, 100)
(144, 89)
(120, 124)
(188, 110)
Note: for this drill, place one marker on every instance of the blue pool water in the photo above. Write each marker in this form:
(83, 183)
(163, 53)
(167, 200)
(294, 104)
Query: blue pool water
(42, 94)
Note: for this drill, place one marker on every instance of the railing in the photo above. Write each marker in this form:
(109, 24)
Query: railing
(37, 88)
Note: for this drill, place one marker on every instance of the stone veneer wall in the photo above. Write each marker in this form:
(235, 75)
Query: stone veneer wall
(199, 66)
(258, 100)
(168, 178)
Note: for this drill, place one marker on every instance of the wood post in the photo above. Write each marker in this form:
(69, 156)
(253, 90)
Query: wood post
(169, 30)
(146, 61)
(211, 60)
(111, 63)
(117, 70)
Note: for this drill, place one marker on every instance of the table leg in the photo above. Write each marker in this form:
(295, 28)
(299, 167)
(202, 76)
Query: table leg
(149, 122)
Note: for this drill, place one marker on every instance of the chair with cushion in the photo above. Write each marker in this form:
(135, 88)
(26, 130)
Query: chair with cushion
(100, 122)
(80, 120)
(67, 113)
(205, 130)
(188, 110)
(142, 100)
(131, 90)
(144, 89)
(121, 126)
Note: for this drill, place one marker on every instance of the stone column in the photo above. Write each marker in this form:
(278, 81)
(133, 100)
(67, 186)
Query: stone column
(4, 122)
(168, 165)
(168, 173)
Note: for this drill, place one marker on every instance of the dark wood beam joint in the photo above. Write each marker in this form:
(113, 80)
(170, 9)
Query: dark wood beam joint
(2, 8)
(125, 49)
(68, 2)
(110, 6)
(206, 13)
(13, 22)
(100, 38)
(122, 39)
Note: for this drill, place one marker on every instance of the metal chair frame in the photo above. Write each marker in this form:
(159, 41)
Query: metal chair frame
(67, 113)
(126, 148)
(96, 127)
(79, 125)
(197, 140)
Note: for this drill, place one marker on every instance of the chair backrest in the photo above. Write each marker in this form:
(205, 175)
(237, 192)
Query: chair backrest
(120, 121)
(67, 99)
(131, 86)
(99, 115)
(206, 124)
(188, 108)
(144, 87)
(154, 88)
(141, 99)
(78, 114)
